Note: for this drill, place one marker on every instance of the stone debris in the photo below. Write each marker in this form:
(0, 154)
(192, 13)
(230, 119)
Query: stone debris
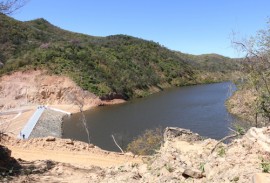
(184, 157)
(193, 173)
(49, 139)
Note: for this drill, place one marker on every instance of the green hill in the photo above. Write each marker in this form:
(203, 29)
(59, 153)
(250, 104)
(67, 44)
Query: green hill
(119, 64)
(211, 62)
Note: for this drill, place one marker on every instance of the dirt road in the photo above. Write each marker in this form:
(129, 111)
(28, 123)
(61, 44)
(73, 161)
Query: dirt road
(66, 151)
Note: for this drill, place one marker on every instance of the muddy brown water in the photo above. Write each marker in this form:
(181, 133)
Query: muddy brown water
(200, 108)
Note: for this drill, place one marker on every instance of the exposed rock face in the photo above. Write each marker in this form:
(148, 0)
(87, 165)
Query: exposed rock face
(184, 157)
(7, 162)
(37, 87)
(260, 137)
(113, 96)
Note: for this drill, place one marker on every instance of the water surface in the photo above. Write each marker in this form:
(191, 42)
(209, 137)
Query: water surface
(200, 108)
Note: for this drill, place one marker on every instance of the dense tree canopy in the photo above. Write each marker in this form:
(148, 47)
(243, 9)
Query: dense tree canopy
(120, 64)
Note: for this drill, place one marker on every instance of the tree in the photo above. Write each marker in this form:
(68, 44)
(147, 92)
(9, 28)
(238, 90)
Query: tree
(9, 6)
(257, 67)
(79, 101)
(147, 143)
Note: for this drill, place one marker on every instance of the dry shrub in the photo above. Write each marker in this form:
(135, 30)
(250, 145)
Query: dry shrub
(147, 143)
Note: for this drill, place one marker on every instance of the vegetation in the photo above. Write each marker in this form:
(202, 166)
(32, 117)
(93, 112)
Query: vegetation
(147, 143)
(9, 6)
(211, 62)
(201, 167)
(221, 151)
(257, 78)
(265, 165)
(118, 64)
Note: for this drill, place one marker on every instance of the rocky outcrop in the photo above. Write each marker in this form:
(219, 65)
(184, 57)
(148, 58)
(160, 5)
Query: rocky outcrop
(184, 134)
(8, 165)
(112, 96)
(184, 157)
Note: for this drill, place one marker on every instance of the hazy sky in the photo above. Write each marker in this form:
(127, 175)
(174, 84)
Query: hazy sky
(190, 26)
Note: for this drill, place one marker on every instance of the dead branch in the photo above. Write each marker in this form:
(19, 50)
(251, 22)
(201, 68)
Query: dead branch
(225, 138)
(9, 6)
(85, 126)
(117, 144)
(79, 101)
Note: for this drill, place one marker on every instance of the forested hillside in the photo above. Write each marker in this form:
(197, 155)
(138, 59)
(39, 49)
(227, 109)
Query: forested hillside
(119, 64)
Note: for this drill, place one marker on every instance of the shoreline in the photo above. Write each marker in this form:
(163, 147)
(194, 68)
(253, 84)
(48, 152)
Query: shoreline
(13, 122)
(242, 104)
(73, 109)
(51, 122)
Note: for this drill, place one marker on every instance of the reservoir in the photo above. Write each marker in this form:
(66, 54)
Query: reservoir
(200, 108)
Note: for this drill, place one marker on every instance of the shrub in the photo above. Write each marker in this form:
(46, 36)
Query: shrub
(147, 143)
(265, 166)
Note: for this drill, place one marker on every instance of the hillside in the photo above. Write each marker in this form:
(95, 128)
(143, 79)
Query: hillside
(123, 65)
(211, 62)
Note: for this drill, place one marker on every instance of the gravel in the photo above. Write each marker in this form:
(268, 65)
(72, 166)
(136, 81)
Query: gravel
(49, 124)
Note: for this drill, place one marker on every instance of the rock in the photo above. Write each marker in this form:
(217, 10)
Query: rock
(59, 94)
(91, 146)
(184, 134)
(50, 139)
(193, 173)
(143, 168)
(112, 96)
(164, 172)
(70, 142)
(261, 178)
(129, 154)
(259, 136)
(6, 161)
(136, 176)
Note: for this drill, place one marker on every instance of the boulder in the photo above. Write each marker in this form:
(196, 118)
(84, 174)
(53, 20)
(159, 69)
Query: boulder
(183, 134)
(261, 178)
(192, 173)
(50, 139)
(69, 141)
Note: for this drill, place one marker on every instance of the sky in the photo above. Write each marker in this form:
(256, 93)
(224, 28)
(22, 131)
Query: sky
(190, 26)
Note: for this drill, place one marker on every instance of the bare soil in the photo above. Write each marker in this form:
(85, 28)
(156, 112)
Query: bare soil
(26, 90)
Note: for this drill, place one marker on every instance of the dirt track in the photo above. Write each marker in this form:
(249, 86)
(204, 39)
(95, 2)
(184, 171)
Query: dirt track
(75, 158)
(66, 151)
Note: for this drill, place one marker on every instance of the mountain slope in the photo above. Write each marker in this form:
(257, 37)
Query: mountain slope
(123, 65)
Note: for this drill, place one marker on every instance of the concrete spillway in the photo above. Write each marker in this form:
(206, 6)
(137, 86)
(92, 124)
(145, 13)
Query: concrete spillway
(26, 131)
